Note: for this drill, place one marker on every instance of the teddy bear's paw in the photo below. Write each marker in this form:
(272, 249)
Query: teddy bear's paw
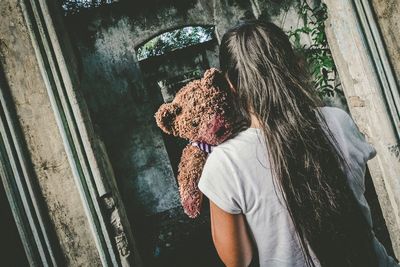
(191, 206)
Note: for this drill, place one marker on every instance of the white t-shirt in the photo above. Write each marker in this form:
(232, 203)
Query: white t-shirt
(237, 178)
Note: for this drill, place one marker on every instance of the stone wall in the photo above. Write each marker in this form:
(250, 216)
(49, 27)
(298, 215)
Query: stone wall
(42, 137)
(368, 106)
(388, 18)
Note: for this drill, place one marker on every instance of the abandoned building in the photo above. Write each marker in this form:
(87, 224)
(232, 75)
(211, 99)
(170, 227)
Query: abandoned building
(87, 177)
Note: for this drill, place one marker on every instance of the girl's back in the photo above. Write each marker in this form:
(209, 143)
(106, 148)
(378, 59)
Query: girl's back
(237, 177)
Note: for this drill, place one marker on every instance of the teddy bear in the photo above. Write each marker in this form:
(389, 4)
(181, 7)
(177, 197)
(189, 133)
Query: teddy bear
(203, 113)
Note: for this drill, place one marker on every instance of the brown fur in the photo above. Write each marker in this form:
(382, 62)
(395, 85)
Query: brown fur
(201, 111)
(190, 167)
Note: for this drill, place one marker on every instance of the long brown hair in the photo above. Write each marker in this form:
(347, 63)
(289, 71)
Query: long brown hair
(307, 165)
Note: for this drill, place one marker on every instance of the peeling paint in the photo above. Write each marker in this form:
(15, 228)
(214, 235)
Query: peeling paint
(356, 101)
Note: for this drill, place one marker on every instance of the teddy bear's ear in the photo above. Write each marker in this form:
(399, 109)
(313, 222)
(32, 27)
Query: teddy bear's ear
(166, 115)
(214, 78)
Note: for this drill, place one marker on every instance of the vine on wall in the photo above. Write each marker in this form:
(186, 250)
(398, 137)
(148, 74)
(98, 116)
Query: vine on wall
(317, 53)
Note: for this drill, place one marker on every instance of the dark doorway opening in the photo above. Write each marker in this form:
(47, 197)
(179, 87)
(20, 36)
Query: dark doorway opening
(12, 252)
(176, 59)
(379, 227)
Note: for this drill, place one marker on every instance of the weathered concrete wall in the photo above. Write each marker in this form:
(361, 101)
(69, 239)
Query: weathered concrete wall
(175, 63)
(122, 111)
(122, 103)
(43, 139)
(367, 105)
(144, 22)
(121, 106)
(388, 18)
(285, 14)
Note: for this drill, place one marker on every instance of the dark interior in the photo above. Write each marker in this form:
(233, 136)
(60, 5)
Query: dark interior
(11, 250)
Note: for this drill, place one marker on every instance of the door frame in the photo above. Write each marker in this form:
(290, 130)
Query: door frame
(22, 192)
(86, 153)
(372, 93)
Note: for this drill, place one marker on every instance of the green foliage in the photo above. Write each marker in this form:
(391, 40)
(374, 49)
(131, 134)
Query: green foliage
(318, 54)
(173, 40)
(71, 7)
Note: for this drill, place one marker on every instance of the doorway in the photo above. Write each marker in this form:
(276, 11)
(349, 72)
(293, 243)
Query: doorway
(176, 58)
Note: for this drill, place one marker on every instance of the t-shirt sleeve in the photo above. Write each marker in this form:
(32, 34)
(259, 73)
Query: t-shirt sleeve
(219, 184)
(354, 146)
(357, 138)
(359, 149)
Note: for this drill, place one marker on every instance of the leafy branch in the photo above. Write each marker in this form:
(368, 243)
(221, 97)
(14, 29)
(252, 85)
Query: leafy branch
(318, 54)
(71, 7)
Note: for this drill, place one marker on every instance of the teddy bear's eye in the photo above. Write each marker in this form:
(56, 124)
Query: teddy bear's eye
(195, 123)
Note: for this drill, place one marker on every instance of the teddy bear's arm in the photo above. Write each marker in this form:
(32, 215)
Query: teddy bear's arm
(189, 172)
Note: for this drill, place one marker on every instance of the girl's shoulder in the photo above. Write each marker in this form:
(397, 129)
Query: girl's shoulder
(240, 149)
(245, 138)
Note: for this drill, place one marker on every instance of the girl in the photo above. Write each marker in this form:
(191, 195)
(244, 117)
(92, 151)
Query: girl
(288, 190)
